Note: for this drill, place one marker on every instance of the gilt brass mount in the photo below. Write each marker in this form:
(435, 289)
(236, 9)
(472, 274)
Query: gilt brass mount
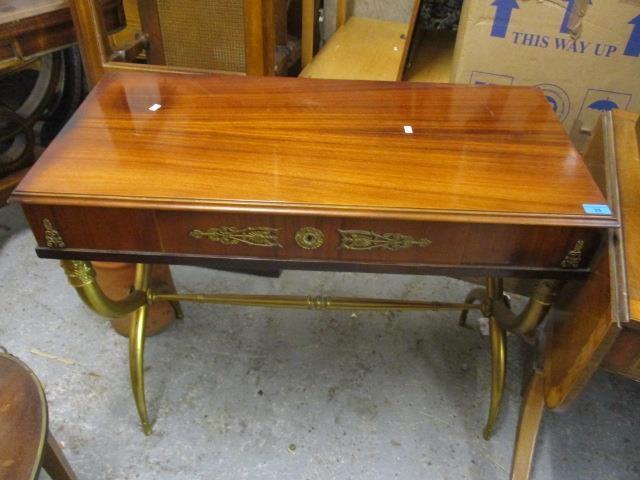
(367, 240)
(52, 237)
(574, 257)
(255, 236)
(309, 238)
(79, 273)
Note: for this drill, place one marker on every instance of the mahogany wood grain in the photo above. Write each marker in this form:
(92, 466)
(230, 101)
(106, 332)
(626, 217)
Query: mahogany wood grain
(317, 147)
(514, 247)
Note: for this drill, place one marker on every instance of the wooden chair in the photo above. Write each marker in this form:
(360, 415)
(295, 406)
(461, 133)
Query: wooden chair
(360, 49)
(258, 23)
(226, 35)
(26, 444)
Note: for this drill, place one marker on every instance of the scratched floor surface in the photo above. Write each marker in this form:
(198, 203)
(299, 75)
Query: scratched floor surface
(240, 393)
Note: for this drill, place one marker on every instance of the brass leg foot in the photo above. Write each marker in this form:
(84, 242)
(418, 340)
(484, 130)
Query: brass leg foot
(171, 288)
(498, 369)
(177, 309)
(175, 304)
(477, 294)
(136, 349)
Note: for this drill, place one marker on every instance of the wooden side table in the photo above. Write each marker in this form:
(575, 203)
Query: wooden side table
(26, 444)
(296, 173)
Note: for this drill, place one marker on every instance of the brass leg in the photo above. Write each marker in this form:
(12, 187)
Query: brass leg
(498, 359)
(136, 348)
(477, 294)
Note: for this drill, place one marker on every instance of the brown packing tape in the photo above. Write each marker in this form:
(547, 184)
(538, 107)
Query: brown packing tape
(575, 20)
(578, 11)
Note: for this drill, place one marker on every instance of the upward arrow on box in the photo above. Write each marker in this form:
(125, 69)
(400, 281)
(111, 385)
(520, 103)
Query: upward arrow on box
(503, 16)
(564, 28)
(633, 45)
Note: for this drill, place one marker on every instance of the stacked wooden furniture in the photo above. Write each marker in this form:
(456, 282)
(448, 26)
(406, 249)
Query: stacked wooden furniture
(360, 49)
(29, 30)
(214, 35)
(257, 27)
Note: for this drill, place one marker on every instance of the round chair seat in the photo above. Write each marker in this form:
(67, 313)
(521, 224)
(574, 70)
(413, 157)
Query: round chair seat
(25, 441)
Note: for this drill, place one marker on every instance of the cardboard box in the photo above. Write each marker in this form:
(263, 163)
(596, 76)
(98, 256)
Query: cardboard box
(584, 54)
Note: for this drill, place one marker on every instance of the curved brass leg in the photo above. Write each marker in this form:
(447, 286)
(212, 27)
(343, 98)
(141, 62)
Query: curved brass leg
(82, 277)
(535, 311)
(498, 369)
(498, 358)
(136, 348)
(477, 294)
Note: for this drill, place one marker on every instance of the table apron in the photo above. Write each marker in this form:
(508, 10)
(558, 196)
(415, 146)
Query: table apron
(310, 242)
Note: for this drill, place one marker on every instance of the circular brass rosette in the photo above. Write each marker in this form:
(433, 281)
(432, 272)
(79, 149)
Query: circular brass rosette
(309, 238)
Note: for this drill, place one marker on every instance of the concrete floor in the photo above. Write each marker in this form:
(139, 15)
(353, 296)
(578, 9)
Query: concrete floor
(241, 393)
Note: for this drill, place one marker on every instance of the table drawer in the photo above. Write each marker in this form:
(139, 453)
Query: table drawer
(331, 239)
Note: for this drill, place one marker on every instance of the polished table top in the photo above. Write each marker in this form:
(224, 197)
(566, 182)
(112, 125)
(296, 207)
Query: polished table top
(486, 154)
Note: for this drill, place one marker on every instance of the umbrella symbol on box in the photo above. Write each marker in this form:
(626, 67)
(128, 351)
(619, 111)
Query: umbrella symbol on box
(603, 105)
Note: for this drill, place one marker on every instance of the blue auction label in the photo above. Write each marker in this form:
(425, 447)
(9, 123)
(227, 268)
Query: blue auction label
(596, 209)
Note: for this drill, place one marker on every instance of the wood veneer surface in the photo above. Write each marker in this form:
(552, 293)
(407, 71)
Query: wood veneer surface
(478, 154)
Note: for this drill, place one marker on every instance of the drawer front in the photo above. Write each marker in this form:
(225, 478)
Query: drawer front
(291, 237)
